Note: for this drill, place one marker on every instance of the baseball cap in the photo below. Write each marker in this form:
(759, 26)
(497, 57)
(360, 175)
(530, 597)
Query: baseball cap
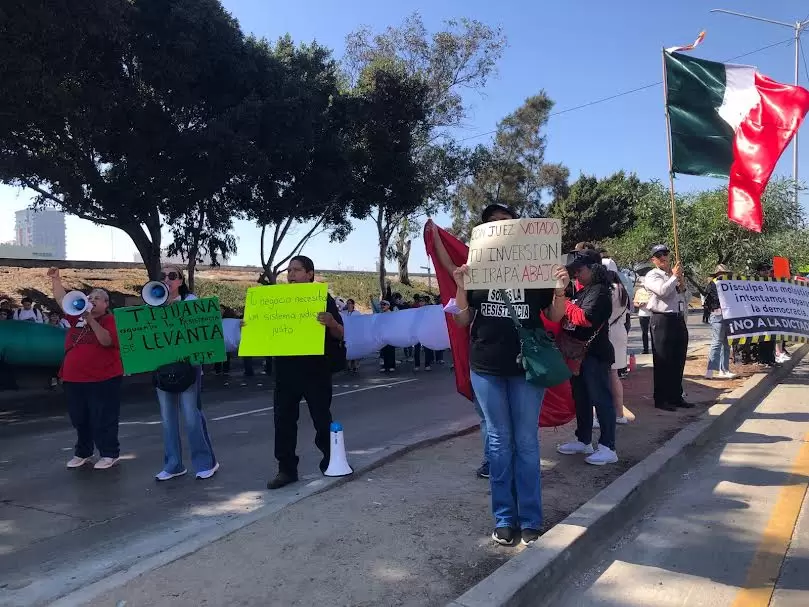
(490, 210)
(660, 248)
(587, 257)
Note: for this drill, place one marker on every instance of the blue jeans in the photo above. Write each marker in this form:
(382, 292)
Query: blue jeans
(511, 409)
(484, 433)
(591, 388)
(202, 457)
(719, 354)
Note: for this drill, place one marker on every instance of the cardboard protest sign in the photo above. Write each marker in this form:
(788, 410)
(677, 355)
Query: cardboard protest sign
(153, 336)
(759, 309)
(281, 320)
(515, 254)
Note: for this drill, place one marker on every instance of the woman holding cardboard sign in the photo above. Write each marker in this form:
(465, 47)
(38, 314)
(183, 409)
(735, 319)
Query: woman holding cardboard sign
(187, 400)
(509, 402)
(91, 374)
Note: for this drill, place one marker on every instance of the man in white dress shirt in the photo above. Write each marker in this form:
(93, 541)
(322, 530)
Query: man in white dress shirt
(668, 303)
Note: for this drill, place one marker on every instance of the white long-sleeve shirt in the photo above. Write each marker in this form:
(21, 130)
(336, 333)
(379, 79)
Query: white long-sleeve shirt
(663, 295)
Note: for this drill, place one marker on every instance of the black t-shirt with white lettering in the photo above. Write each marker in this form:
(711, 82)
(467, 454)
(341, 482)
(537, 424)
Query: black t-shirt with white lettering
(495, 345)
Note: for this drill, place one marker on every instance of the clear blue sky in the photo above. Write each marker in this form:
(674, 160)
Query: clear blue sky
(578, 52)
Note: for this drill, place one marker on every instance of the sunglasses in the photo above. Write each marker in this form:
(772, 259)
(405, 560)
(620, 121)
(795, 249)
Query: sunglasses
(661, 254)
(170, 275)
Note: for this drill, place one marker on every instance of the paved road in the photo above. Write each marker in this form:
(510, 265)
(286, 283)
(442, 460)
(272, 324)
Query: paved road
(733, 532)
(60, 530)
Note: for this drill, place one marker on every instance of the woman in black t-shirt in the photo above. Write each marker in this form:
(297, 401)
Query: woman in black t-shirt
(587, 320)
(510, 404)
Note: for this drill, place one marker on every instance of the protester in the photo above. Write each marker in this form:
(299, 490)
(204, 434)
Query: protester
(668, 304)
(608, 261)
(587, 318)
(28, 313)
(55, 320)
(429, 355)
(349, 310)
(493, 212)
(91, 374)
(619, 339)
(641, 303)
(510, 404)
(388, 353)
(6, 313)
(306, 377)
(190, 402)
(765, 350)
(719, 353)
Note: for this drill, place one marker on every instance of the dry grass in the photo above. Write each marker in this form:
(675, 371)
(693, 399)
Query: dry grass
(228, 285)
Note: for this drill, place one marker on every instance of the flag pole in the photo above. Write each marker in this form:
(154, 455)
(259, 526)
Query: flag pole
(668, 151)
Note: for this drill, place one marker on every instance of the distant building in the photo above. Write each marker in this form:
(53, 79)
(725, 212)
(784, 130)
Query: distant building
(10, 250)
(42, 230)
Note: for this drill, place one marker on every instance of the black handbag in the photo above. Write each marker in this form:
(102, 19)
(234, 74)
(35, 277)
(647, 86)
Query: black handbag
(175, 377)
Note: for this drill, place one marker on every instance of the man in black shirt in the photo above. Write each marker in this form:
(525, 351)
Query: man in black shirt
(306, 377)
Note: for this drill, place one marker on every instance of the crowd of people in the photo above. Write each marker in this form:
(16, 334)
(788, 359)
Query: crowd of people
(588, 309)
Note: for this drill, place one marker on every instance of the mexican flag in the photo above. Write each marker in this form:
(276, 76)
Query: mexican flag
(730, 121)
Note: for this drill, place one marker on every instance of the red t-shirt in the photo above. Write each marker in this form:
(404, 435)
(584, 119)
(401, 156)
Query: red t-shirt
(86, 360)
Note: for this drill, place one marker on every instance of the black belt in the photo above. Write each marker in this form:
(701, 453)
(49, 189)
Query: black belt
(677, 314)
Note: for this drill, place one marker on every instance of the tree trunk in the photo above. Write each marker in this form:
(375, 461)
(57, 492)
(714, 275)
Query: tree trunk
(403, 257)
(382, 274)
(190, 271)
(149, 250)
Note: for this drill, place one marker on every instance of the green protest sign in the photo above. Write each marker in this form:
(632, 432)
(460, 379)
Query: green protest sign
(151, 337)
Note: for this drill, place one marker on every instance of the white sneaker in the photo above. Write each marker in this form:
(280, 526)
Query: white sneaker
(167, 476)
(709, 374)
(105, 462)
(208, 473)
(603, 455)
(623, 420)
(77, 462)
(782, 358)
(727, 375)
(574, 448)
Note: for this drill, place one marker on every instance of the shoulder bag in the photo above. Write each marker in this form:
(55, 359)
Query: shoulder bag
(539, 356)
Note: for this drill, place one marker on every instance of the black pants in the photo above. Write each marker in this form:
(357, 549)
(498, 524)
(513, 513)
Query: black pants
(669, 348)
(94, 409)
(429, 356)
(644, 328)
(766, 352)
(223, 367)
(249, 370)
(706, 314)
(289, 390)
(388, 358)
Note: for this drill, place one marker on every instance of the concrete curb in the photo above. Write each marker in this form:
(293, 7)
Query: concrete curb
(535, 576)
(391, 451)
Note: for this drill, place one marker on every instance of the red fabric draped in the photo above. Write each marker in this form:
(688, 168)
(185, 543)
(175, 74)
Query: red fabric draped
(557, 407)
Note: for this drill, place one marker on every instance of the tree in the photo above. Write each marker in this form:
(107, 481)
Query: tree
(515, 172)
(463, 56)
(301, 169)
(595, 209)
(111, 103)
(390, 186)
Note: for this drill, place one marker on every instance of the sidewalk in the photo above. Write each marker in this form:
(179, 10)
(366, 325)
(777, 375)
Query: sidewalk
(413, 532)
(733, 532)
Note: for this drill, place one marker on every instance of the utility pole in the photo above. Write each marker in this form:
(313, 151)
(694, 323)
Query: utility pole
(797, 28)
(429, 278)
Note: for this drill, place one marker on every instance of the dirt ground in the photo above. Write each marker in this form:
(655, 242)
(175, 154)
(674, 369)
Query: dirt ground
(414, 532)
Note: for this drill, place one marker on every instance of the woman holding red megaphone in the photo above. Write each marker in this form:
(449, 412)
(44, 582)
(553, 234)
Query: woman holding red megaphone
(91, 377)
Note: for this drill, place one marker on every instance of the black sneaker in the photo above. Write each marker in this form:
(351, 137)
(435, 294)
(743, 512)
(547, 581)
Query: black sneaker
(529, 536)
(685, 405)
(665, 406)
(282, 479)
(483, 471)
(503, 536)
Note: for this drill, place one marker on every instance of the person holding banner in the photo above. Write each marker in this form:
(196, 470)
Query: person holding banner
(91, 375)
(510, 404)
(306, 377)
(719, 354)
(190, 402)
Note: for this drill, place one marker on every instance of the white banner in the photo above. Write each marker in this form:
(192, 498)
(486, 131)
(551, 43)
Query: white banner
(366, 334)
(755, 307)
